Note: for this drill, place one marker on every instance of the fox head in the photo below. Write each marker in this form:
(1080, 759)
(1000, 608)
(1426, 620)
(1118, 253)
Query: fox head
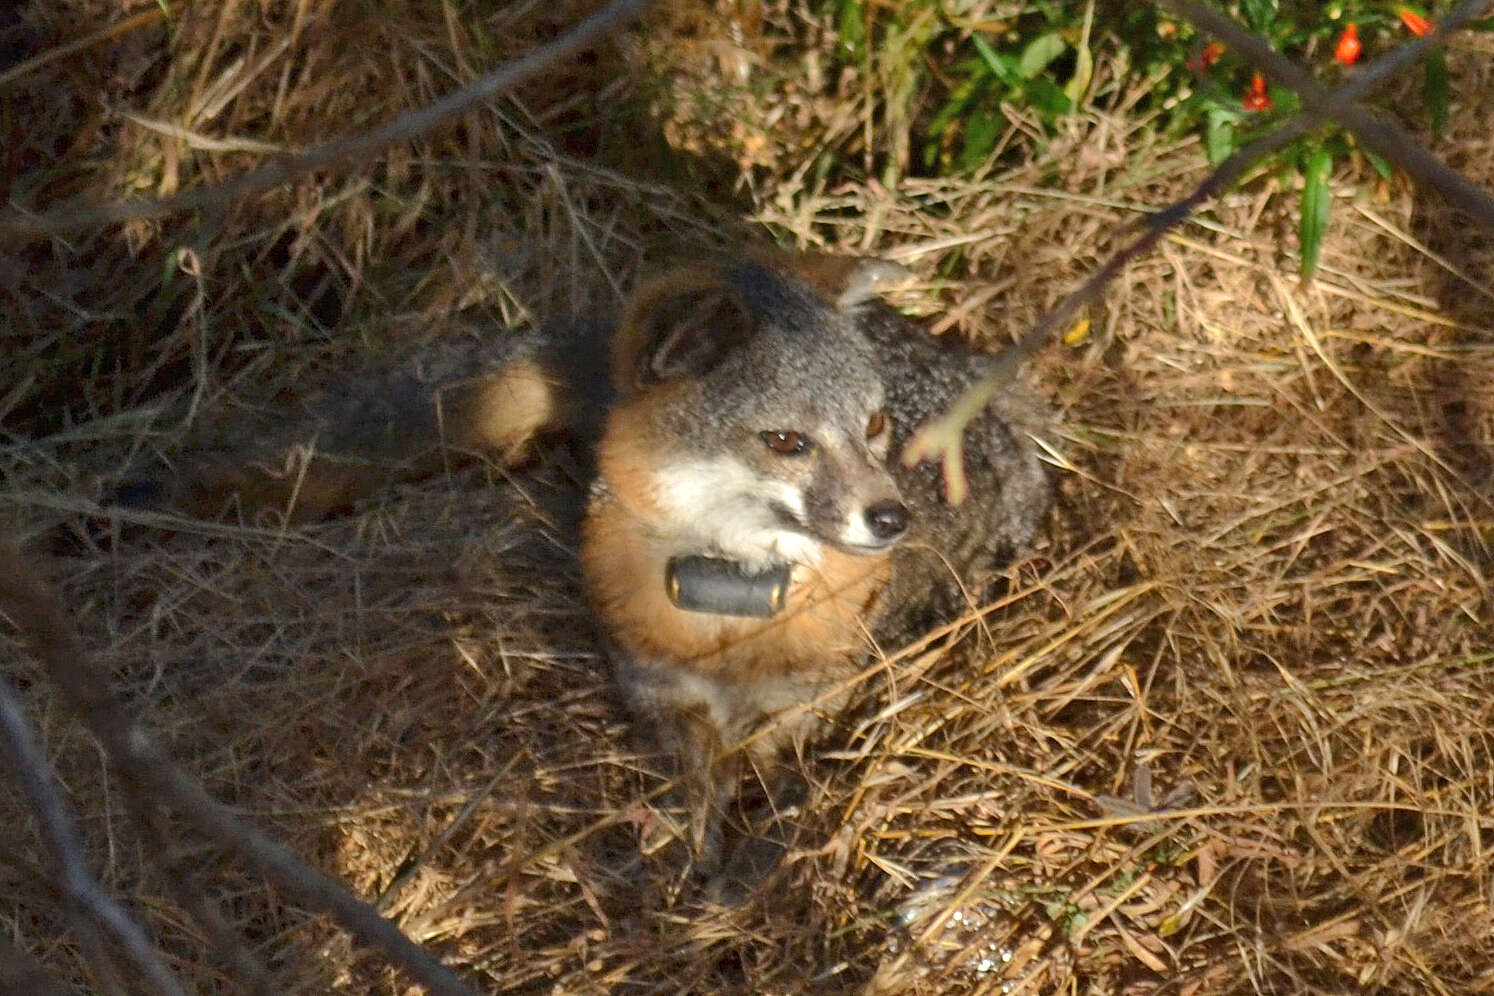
(752, 415)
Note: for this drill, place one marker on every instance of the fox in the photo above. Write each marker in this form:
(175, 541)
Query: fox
(749, 537)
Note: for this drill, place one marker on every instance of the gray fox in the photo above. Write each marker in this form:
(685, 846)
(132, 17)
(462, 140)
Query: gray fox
(748, 530)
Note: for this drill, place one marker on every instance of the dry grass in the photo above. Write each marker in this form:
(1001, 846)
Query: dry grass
(1227, 731)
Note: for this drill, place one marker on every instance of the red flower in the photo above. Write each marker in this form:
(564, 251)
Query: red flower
(1256, 98)
(1348, 48)
(1205, 57)
(1419, 24)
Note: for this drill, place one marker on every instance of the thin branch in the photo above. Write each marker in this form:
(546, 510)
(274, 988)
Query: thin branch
(29, 768)
(360, 148)
(148, 770)
(1385, 138)
(411, 866)
(248, 971)
(31, 65)
(940, 439)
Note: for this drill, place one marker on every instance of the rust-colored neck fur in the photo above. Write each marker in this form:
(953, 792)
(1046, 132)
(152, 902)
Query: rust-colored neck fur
(823, 624)
(626, 543)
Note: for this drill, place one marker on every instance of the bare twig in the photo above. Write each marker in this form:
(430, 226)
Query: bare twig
(147, 770)
(31, 65)
(360, 147)
(940, 439)
(28, 766)
(411, 866)
(248, 971)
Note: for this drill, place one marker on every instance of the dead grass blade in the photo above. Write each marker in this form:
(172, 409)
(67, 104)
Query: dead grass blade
(340, 152)
(37, 613)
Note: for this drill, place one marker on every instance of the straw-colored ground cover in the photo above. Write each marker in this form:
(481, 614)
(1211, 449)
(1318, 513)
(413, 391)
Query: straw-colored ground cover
(1261, 608)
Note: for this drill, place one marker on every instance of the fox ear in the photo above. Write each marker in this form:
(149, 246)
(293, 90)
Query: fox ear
(679, 326)
(866, 279)
(848, 282)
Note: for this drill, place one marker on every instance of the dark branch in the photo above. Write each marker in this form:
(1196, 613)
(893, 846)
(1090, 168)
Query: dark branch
(28, 766)
(152, 825)
(359, 148)
(147, 770)
(941, 438)
(1320, 102)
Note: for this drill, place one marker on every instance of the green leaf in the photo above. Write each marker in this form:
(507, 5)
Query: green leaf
(959, 101)
(1435, 90)
(1039, 53)
(1379, 162)
(850, 21)
(1053, 12)
(981, 132)
(1260, 13)
(1315, 201)
(1219, 135)
(1049, 98)
(1004, 67)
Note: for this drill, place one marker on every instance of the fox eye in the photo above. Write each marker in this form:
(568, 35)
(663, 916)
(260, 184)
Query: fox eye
(876, 425)
(786, 442)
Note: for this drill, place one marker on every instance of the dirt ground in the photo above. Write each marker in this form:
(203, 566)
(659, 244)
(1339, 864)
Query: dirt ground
(1227, 729)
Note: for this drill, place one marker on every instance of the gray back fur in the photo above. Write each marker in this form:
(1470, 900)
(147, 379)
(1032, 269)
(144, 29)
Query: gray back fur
(945, 564)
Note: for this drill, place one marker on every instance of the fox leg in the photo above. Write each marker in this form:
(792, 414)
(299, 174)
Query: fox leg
(679, 713)
(708, 779)
(756, 852)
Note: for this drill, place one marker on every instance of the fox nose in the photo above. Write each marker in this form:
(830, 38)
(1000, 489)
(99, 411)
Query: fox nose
(887, 520)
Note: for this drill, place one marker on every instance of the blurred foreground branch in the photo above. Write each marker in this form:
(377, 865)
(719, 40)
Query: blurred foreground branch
(84, 214)
(28, 767)
(155, 780)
